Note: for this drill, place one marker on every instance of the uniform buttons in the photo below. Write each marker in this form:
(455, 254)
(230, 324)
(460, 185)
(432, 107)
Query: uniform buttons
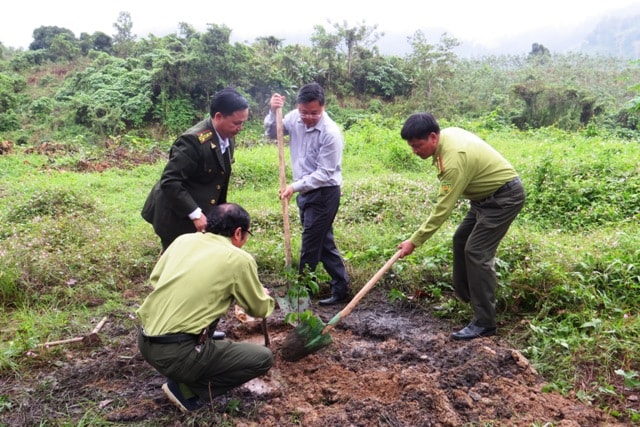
(213, 201)
(209, 170)
(217, 187)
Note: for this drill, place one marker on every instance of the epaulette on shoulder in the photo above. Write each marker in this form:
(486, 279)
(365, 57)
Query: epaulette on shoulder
(205, 136)
(440, 164)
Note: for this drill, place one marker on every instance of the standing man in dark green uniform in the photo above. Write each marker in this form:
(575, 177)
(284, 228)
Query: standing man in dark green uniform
(198, 171)
(467, 167)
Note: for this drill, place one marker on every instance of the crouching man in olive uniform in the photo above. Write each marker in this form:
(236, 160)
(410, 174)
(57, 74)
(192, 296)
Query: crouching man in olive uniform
(194, 283)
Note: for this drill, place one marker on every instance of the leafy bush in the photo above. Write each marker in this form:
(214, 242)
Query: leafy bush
(177, 115)
(41, 107)
(580, 196)
(109, 96)
(10, 85)
(9, 121)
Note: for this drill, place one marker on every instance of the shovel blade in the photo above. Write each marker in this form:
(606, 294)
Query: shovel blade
(305, 339)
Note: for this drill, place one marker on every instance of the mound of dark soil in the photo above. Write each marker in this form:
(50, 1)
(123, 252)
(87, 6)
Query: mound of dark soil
(387, 366)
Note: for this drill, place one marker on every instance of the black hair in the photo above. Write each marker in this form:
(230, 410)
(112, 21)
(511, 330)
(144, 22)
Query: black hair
(419, 126)
(225, 218)
(227, 102)
(309, 93)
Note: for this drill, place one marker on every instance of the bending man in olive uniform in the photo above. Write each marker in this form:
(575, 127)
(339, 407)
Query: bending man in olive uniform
(467, 167)
(194, 282)
(198, 171)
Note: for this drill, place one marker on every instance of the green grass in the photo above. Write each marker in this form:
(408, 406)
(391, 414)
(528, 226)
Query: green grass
(569, 269)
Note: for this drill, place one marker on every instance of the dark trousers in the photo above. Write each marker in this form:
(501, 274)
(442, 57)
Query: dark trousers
(181, 226)
(475, 243)
(318, 209)
(219, 365)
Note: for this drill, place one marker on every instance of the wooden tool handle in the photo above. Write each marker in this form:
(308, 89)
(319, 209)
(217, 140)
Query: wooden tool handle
(367, 287)
(265, 332)
(99, 325)
(283, 185)
(93, 336)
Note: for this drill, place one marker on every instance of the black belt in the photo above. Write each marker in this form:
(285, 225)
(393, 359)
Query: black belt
(170, 338)
(515, 181)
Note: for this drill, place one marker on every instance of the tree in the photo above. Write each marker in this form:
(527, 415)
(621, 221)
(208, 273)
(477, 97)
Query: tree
(539, 54)
(432, 68)
(634, 103)
(102, 42)
(98, 41)
(326, 50)
(271, 42)
(186, 31)
(10, 87)
(214, 63)
(342, 55)
(282, 70)
(360, 36)
(538, 50)
(43, 36)
(384, 77)
(124, 38)
(63, 48)
(195, 68)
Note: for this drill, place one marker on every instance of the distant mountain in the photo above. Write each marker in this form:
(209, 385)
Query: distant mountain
(618, 36)
(617, 33)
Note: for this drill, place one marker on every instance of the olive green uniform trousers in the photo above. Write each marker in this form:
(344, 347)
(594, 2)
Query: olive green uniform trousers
(475, 243)
(209, 369)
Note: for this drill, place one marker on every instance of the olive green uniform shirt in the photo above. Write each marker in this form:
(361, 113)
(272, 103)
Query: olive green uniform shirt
(467, 167)
(196, 280)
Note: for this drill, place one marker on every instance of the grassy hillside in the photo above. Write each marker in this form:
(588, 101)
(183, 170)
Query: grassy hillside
(73, 245)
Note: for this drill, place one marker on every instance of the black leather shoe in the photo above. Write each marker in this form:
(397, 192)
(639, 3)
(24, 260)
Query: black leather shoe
(333, 299)
(472, 331)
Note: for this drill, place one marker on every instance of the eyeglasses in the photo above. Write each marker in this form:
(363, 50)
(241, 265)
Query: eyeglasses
(248, 231)
(310, 116)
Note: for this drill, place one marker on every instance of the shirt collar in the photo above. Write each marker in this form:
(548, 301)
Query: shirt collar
(316, 126)
(224, 143)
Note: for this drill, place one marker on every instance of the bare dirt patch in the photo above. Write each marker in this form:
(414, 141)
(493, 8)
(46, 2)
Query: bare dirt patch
(387, 366)
(113, 156)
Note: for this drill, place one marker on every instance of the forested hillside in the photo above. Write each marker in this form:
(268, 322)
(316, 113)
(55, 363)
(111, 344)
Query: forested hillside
(97, 86)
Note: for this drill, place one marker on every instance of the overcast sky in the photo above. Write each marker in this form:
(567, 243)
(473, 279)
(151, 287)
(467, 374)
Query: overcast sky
(481, 22)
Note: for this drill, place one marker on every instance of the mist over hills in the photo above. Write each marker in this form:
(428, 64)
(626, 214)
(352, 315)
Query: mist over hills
(616, 33)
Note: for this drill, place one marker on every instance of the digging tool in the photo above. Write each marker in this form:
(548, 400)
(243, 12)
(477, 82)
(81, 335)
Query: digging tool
(88, 340)
(265, 332)
(312, 333)
(287, 303)
(283, 185)
(243, 317)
